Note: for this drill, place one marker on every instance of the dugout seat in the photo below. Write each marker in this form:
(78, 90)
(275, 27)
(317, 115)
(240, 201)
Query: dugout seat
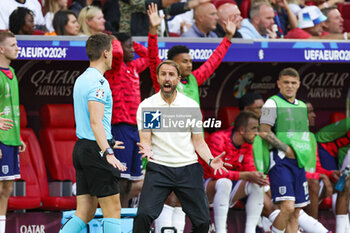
(31, 198)
(57, 139)
(337, 116)
(227, 115)
(36, 156)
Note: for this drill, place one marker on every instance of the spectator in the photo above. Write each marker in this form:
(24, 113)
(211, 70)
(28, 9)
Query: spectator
(8, 6)
(10, 142)
(50, 8)
(112, 14)
(242, 180)
(310, 26)
(77, 5)
(206, 18)
(226, 11)
(181, 23)
(334, 22)
(65, 23)
(284, 17)
(22, 21)
(138, 23)
(260, 24)
(296, 5)
(328, 3)
(91, 21)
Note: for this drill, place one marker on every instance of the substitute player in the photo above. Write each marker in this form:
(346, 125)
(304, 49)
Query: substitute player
(284, 125)
(10, 141)
(242, 180)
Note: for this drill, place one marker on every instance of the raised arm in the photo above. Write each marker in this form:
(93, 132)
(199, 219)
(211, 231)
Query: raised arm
(293, 21)
(205, 70)
(141, 50)
(118, 56)
(154, 59)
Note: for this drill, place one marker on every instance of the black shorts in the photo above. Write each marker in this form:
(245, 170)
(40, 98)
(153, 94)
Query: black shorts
(95, 176)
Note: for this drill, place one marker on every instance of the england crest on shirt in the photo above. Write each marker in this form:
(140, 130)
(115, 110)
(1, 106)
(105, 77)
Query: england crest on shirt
(5, 169)
(282, 190)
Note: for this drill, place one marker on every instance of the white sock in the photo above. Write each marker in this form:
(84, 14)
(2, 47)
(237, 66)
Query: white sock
(309, 224)
(334, 202)
(274, 215)
(221, 203)
(347, 229)
(2, 223)
(275, 230)
(179, 219)
(254, 206)
(164, 219)
(341, 223)
(266, 224)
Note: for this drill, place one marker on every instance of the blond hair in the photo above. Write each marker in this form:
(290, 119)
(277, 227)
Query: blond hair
(88, 13)
(51, 6)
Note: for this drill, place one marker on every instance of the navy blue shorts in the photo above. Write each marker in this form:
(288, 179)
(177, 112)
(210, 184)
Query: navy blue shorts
(9, 163)
(129, 156)
(288, 181)
(328, 161)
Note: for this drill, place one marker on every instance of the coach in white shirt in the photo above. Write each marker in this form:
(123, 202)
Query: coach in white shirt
(172, 161)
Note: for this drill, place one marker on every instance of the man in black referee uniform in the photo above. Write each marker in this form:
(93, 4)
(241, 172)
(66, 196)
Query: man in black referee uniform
(97, 169)
(172, 161)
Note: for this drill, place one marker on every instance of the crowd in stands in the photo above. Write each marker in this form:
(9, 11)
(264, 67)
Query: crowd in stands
(254, 19)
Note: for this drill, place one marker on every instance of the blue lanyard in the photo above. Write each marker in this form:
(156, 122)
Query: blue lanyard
(279, 24)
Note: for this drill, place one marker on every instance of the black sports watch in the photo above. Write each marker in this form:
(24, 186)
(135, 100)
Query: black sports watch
(108, 151)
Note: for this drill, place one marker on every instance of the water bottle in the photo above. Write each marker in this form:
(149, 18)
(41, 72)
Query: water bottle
(341, 182)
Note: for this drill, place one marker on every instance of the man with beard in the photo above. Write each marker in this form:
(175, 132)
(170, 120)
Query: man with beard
(172, 162)
(259, 26)
(224, 190)
(172, 214)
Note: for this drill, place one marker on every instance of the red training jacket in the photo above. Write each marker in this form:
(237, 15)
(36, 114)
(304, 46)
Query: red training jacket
(125, 83)
(241, 159)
